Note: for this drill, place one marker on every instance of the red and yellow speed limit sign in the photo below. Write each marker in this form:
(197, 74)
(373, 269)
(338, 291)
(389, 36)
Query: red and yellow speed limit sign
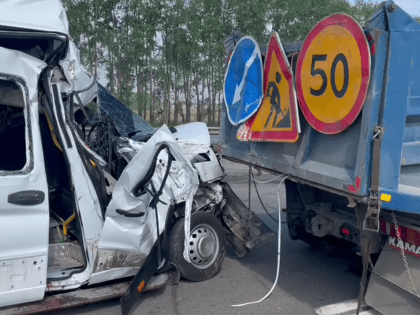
(332, 74)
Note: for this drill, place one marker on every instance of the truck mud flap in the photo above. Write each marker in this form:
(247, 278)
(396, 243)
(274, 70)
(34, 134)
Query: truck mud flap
(244, 227)
(389, 290)
(140, 281)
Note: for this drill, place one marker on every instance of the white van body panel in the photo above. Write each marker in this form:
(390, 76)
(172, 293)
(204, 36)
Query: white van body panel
(24, 228)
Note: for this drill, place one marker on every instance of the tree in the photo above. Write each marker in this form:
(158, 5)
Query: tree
(363, 10)
(293, 20)
(163, 57)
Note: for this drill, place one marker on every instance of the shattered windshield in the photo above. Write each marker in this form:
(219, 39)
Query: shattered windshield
(124, 119)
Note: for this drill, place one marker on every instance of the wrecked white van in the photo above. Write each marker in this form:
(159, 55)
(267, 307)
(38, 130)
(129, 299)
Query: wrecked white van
(89, 191)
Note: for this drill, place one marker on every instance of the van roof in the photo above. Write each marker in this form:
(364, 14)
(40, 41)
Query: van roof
(34, 15)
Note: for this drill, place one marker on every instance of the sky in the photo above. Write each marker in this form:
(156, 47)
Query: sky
(410, 6)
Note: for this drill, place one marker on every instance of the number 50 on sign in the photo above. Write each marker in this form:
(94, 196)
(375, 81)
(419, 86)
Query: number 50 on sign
(332, 74)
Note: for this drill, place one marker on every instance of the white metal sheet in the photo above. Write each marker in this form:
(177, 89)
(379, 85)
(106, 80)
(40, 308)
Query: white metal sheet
(41, 15)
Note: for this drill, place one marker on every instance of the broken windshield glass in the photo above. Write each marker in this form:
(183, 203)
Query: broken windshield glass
(124, 119)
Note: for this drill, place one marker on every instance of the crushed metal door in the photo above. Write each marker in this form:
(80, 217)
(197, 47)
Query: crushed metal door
(130, 228)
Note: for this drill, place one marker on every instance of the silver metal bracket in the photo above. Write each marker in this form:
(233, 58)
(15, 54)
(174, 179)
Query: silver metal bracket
(371, 221)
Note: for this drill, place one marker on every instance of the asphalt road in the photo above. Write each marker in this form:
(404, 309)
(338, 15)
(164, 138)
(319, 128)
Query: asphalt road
(310, 277)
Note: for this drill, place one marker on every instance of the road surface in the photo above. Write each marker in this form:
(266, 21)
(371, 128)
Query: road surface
(312, 280)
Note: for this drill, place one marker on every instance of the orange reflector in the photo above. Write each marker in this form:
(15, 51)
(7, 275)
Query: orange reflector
(141, 286)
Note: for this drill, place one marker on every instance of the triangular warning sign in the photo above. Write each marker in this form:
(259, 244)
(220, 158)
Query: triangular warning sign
(277, 119)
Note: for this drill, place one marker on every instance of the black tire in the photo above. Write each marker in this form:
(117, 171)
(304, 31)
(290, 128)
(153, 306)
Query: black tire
(207, 251)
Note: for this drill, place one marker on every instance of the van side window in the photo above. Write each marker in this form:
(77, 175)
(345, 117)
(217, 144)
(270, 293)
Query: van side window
(12, 128)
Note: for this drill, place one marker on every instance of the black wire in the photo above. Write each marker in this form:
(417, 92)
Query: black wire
(251, 178)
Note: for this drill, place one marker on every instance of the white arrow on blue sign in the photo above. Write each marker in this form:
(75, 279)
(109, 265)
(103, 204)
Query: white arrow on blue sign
(243, 86)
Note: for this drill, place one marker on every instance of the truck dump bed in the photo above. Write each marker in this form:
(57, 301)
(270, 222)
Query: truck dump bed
(343, 162)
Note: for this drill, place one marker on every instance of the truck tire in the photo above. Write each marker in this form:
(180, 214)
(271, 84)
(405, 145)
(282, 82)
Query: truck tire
(207, 247)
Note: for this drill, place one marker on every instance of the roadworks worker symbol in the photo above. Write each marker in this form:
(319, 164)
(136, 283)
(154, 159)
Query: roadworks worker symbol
(332, 74)
(277, 119)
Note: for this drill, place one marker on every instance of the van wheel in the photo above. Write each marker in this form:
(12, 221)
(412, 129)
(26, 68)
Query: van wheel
(206, 247)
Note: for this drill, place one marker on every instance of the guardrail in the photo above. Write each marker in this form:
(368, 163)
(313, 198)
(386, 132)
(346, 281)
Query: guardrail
(214, 131)
(214, 134)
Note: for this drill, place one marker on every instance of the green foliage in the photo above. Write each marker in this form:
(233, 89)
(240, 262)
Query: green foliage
(161, 56)
(363, 10)
(293, 20)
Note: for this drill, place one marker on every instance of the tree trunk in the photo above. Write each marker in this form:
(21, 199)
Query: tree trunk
(202, 98)
(96, 62)
(118, 81)
(181, 109)
(185, 95)
(163, 110)
(111, 72)
(94, 42)
(213, 107)
(175, 121)
(219, 109)
(155, 102)
(198, 101)
(168, 115)
(144, 95)
(210, 101)
(138, 97)
(213, 98)
(168, 109)
(151, 109)
(188, 101)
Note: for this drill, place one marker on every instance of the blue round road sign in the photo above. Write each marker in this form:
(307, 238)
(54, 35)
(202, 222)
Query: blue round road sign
(243, 86)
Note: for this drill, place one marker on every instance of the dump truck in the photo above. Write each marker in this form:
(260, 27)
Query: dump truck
(356, 180)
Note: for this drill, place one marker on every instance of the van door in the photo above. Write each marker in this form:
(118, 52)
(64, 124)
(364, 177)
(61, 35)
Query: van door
(24, 215)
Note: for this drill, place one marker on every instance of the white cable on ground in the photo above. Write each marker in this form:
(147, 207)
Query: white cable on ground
(278, 244)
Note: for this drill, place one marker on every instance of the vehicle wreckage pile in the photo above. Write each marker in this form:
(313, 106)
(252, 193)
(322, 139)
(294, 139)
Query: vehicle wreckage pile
(91, 192)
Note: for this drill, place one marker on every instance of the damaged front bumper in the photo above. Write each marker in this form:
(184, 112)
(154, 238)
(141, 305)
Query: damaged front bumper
(244, 228)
